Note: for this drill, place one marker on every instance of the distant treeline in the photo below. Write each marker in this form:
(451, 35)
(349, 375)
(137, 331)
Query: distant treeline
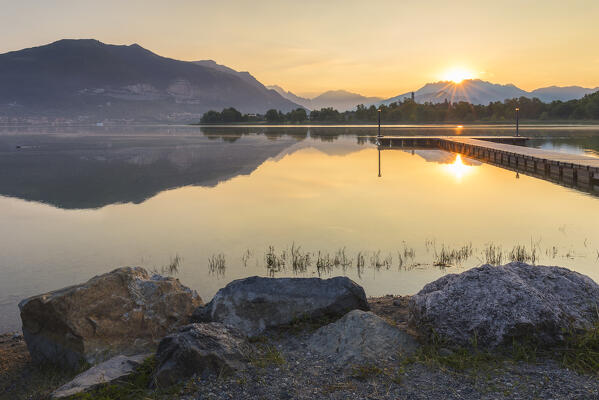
(229, 115)
(586, 108)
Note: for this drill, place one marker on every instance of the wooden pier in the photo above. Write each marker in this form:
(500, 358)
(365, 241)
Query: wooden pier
(509, 152)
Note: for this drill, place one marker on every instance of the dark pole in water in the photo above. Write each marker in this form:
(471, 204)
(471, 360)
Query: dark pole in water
(378, 143)
(517, 121)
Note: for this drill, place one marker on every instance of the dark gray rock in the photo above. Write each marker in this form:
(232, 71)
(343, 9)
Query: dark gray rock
(111, 370)
(255, 304)
(199, 349)
(361, 337)
(126, 311)
(492, 305)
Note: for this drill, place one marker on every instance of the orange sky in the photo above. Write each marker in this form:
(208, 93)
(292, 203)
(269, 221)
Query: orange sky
(381, 48)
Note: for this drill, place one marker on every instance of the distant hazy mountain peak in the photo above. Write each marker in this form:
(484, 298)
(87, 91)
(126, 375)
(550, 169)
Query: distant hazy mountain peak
(339, 99)
(302, 101)
(339, 93)
(563, 93)
(478, 91)
(276, 88)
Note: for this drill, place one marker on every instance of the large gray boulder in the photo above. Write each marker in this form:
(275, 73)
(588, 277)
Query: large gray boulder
(125, 311)
(361, 337)
(114, 369)
(199, 349)
(255, 304)
(492, 305)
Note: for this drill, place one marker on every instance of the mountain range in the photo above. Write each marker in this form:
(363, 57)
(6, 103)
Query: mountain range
(341, 100)
(477, 91)
(93, 80)
(87, 81)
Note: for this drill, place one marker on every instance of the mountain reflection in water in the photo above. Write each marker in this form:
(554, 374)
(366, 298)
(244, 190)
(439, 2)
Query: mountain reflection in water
(81, 172)
(73, 205)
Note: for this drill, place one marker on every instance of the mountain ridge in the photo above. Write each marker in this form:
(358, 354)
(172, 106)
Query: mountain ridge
(340, 99)
(477, 91)
(85, 78)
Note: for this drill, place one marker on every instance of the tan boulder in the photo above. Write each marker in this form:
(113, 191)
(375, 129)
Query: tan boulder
(125, 311)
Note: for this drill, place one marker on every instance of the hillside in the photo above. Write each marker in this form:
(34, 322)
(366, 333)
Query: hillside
(90, 80)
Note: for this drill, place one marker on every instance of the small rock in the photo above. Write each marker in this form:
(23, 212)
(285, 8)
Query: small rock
(361, 337)
(203, 349)
(445, 352)
(116, 368)
(255, 304)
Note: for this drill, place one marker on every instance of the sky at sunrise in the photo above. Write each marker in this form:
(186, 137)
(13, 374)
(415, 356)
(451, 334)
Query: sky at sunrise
(380, 48)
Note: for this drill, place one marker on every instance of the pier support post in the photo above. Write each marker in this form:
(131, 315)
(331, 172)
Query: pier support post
(555, 170)
(568, 174)
(583, 175)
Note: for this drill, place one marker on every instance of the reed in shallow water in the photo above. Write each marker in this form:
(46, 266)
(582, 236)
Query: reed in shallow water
(322, 263)
(217, 265)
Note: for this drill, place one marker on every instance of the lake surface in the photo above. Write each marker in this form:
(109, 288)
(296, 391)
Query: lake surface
(306, 201)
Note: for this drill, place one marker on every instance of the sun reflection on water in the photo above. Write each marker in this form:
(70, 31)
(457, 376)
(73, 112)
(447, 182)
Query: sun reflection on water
(458, 168)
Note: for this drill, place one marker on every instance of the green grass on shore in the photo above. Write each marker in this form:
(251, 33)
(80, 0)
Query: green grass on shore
(579, 352)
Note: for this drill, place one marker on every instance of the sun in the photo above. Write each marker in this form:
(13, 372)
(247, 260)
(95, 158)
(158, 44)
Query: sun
(457, 75)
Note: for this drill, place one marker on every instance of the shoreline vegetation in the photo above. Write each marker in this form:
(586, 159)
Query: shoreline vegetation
(408, 111)
(451, 124)
(297, 261)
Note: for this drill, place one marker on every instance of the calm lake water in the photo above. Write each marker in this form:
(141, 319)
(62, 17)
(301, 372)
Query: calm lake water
(76, 202)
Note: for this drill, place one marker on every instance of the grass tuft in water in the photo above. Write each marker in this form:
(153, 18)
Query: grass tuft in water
(324, 263)
(360, 261)
(408, 252)
(341, 260)
(171, 269)
(274, 263)
(451, 257)
(399, 261)
(300, 262)
(493, 254)
(521, 254)
(429, 244)
(377, 261)
(246, 257)
(217, 265)
(552, 252)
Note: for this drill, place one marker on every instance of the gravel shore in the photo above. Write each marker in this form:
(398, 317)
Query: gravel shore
(282, 367)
